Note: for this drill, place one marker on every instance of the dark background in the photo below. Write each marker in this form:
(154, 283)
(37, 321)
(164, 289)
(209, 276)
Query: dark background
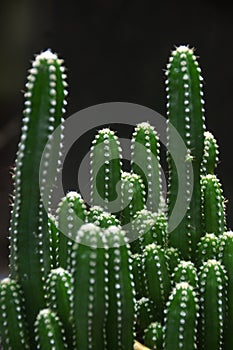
(114, 51)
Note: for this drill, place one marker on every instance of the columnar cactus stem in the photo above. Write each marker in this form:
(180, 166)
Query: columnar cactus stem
(173, 258)
(226, 256)
(105, 169)
(30, 255)
(59, 293)
(213, 284)
(138, 275)
(156, 276)
(213, 206)
(207, 248)
(54, 239)
(185, 113)
(186, 272)
(13, 327)
(49, 331)
(72, 214)
(145, 314)
(153, 336)
(210, 156)
(181, 318)
(146, 162)
(89, 260)
(121, 310)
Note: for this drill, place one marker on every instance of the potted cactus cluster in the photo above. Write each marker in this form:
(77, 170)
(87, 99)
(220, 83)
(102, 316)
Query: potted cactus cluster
(88, 277)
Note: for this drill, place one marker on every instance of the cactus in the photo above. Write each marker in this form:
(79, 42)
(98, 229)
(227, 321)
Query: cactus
(213, 283)
(115, 275)
(181, 318)
(146, 162)
(210, 156)
(185, 113)
(213, 207)
(29, 238)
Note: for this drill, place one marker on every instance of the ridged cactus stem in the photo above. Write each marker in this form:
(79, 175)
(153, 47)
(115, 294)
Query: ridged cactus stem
(156, 276)
(106, 170)
(71, 215)
(181, 318)
(59, 294)
(153, 336)
(185, 272)
(146, 162)
(29, 239)
(213, 287)
(13, 326)
(213, 205)
(226, 257)
(210, 156)
(185, 113)
(50, 334)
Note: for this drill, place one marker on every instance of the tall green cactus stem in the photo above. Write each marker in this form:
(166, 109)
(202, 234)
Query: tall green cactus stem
(213, 284)
(226, 257)
(145, 314)
(181, 318)
(146, 162)
(207, 248)
(90, 288)
(156, 276)
(173, 258)
(186, 272)
(153, 336)
(210, 156)
(213, 206)
(132, 201)
(13, 327)
(105, 170)
(138, 275)
(185, 112)
(50, 334)
(72, 214)
(29, 239)
(59, 293)
(121, 309)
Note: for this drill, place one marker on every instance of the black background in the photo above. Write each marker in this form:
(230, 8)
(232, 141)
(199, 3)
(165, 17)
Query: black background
(114, 51)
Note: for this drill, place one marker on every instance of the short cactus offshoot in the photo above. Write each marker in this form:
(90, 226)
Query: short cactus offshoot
(112, 276)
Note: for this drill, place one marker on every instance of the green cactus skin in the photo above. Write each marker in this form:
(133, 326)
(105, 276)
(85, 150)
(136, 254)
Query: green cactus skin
(153, 336)
(103, 309)
(145, 314)
(185, 113)
(29, 239)
(54, 239)
(207, 248)
(185, 272)
(102, 218)
(138, 275)
(181, 318)
(213, 284)
(226, 257)
(105, 169)
(213, 207)
(13, 327)
(156, 276)
(133, 196)
(50, 334)
(146, 162)
(121, 309)
(173, 258)
(210, 156)
(72, 214)
(89, 270)
(59, 292)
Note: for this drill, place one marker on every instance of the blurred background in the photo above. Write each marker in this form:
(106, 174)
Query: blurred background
(115, 50)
